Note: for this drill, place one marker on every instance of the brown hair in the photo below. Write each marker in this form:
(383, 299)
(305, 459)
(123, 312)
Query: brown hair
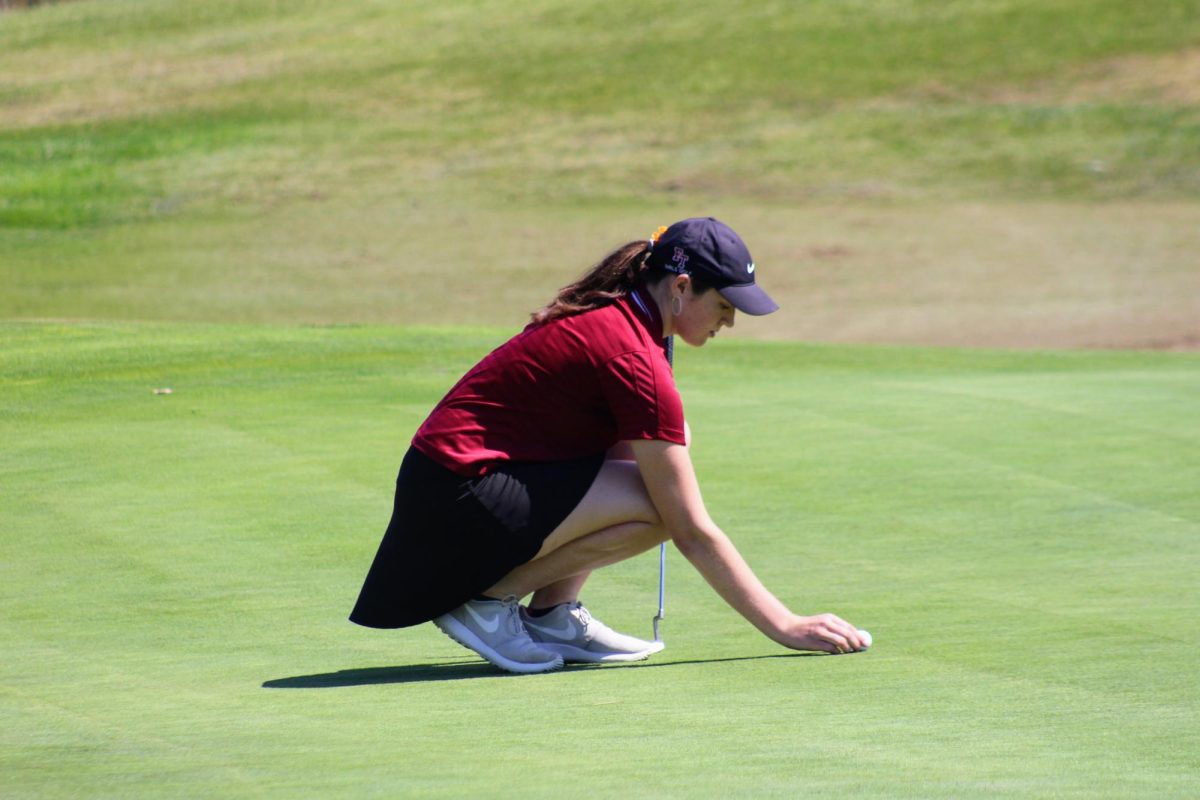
(617, 274)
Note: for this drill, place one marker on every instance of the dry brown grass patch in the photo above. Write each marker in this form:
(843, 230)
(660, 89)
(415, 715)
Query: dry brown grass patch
(1166, 79)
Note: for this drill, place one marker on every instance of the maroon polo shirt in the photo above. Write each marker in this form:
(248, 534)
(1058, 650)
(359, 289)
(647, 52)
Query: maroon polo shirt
(566, 389)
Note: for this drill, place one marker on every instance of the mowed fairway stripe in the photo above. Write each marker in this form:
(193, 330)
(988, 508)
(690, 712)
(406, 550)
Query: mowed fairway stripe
(959, 457)
(1016, 529)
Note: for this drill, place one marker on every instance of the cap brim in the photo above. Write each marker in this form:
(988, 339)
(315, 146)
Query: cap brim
(749, 299)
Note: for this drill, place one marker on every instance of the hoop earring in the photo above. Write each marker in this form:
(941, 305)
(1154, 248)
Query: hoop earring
(677, 305)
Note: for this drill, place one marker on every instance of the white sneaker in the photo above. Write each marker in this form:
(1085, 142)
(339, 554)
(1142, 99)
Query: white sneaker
(570, 631)
(493, 629)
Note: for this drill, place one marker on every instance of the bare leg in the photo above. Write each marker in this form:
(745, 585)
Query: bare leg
(561, 573)
(561, 591)
(614, 521)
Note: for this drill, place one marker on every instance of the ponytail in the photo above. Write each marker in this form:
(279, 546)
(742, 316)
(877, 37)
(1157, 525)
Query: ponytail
(614, 277)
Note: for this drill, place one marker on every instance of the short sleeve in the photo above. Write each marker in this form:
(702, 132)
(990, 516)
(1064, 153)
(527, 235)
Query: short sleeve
(642, 397)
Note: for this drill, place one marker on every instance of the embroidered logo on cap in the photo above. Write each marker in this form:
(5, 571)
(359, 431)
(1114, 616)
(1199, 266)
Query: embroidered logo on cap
(750, 268)
(680, 258)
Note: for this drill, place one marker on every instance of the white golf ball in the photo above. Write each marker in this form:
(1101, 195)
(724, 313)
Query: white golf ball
(866, 638)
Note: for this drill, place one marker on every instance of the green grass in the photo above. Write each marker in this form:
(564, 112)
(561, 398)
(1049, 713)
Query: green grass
(264, 162)
(1018, 530)
(616, 103)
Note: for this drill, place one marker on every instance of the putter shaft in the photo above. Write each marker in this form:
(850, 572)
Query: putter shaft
(662, 547)
(662, 588)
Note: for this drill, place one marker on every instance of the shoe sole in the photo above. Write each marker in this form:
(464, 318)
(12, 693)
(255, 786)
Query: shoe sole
(463, 635)
(576, 655)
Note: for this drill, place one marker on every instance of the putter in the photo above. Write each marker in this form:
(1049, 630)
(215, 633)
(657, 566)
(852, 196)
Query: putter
(662, 588)
(662, 548)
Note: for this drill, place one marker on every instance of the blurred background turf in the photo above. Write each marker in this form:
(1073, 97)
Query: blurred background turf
(313, 161)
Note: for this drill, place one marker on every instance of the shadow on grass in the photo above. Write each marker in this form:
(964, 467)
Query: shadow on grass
(457, 671)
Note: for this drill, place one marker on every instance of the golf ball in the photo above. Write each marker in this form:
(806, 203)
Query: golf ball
(866, 638)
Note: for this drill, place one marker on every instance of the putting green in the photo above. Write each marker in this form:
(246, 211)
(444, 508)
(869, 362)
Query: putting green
(1017, 530)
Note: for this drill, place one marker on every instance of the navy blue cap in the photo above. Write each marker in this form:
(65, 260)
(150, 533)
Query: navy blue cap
(709, 249)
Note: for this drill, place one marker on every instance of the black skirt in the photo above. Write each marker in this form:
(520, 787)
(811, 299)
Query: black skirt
(450, 537)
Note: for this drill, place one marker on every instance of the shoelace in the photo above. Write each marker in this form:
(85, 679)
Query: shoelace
(582, 615)
(512, 616)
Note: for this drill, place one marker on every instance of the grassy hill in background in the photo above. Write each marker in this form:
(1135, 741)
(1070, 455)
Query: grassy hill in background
(431, 162)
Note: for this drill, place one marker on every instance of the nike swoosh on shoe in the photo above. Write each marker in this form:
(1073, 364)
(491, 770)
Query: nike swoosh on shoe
(490, 625)
(567, 631)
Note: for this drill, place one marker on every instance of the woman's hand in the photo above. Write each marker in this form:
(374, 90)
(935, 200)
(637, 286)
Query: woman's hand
(825, 632)
(671, 482)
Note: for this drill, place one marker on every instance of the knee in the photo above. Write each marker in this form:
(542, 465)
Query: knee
(652, 534)
(630, 538)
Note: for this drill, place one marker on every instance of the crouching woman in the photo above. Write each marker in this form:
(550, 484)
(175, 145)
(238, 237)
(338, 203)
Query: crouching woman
(564, 451)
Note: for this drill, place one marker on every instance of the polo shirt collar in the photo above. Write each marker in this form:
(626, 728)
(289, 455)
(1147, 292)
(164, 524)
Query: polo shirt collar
(647, 311)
